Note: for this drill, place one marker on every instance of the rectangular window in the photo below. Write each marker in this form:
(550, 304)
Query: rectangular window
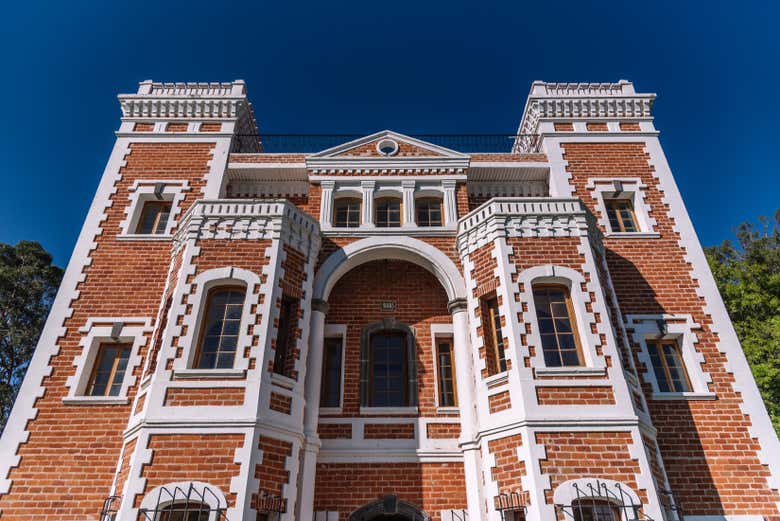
(109, 370)
(330, 393)
(668, 366)
(388, 212)
(154, 217)
(446, 373)
(283, 363)
(346, 213)
(621, 215)
(555, 317)
(428, 212)
(388, 377)
(221, 327)
(493, 337)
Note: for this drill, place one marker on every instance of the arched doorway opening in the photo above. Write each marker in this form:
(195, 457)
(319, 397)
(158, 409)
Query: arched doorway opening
(389, 508)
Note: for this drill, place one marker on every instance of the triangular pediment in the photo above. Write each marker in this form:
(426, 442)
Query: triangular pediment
(407, 147)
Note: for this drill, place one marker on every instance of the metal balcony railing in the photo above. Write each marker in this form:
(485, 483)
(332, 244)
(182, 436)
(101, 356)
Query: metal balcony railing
(467, 143)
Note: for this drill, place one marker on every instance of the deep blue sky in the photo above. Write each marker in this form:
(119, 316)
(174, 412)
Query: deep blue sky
(422, 66)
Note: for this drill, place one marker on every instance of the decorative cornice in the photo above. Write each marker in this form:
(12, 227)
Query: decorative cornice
(186, 100)
(521, 217)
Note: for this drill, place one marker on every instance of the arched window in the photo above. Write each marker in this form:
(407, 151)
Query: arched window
(589, 509)
(346, 212)
(185, 511)
(388, 212)
(557, 325)
(428, 210)
(218, 339)
(388, 371)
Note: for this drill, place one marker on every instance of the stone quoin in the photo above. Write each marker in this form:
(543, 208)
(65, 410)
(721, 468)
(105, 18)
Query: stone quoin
(388, 329)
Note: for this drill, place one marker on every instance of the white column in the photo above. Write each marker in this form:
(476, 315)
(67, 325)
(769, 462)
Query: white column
(464, 376)
(368, 203)
(407, 185)
(326, 203)
(312, 385)
(450, 203)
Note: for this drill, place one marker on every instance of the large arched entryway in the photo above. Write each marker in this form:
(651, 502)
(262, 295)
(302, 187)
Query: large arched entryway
(389, 508)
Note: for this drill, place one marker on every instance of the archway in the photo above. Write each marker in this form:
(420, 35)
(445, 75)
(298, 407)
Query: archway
(389, 508)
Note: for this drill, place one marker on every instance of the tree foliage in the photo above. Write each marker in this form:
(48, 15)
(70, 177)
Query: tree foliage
(28, 284)
(748, 277)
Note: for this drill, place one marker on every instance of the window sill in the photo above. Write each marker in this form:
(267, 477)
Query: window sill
(330, 410)
(283, 381)
(144, 237)
(96, 400)
(685, 396)
(565, 372)
(209, 373)
(632, 235)
(494, 380)
(448, 410)
(388, 410)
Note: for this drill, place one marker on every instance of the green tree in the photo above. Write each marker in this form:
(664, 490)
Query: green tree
(28, 284)
(748, 277)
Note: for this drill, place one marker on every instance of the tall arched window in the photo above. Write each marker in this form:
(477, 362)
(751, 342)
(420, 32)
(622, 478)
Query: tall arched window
(388, 369)
(557, 325)
(219, 333)
(388, 212)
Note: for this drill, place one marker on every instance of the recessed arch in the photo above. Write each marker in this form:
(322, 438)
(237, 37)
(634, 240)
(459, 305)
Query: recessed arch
(389, 508)
(389, 247)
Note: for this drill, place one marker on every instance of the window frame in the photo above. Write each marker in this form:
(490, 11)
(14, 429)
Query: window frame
(155, 229)
(389, 324)
(587, 502)
(287, 317)
(497, 347)
(203, 323)
(657, 344)
(438, 341)
(573, 324)
(101, 348)
(347, 200)
(384, 199)
(418, 202)
(338, 406)
(611, 204)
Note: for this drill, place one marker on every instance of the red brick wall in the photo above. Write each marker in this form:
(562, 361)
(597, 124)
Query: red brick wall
(592, 395)
(499, 402)
(202, 397)
(280, 403)
(420, 300)
(271, 472)
(333, 431)
(509, 470)
(176, 127)
(443, 430)
(348, 486)
(707, 439)
(388, 431)
(563, 126)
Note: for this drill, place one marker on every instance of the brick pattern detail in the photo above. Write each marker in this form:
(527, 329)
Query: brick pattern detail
(653, 276)
(590, 395)
(210, 127)
(388, 431)
(177, 127)
(192, 457)
(139, 405)
(421, 301)
(561, 126)
(607, 457)
(509, 470)
(404, 150)
(629, 126)
(499, 402)
(272, 471)
(204, 397)
(431, 486)
(280, 403)
(335, 431)
(442, 430)
(143, 127)
(597, 126)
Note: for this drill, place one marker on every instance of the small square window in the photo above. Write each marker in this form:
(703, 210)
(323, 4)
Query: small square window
(668, 366)
(154, 218)
(388, 212)
(428, 212)
(108, 373)
(621, 214)
(346, 213)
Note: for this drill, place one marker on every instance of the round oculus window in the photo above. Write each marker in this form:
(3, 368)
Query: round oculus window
(387, 147)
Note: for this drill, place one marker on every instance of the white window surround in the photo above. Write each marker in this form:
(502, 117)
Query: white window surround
(635, 190)
(204, 283)
(337, 331)
(134, 331)
(441, 331)
(142, 191)
(205, 493)
(322, 515)
(566, 493)
(408, 189)
(573, 280)
(680, 328)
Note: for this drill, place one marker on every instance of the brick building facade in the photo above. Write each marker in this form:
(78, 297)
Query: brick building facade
(388, 329)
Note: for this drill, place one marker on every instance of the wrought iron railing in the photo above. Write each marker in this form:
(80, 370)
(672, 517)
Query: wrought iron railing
(599, 494)
(471, 143)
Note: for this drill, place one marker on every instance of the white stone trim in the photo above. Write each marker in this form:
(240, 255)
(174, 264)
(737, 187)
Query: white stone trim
(141, 191)
(633, 189)
(646, 327)
(204, 283)
(441, 331)
(93, 337)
